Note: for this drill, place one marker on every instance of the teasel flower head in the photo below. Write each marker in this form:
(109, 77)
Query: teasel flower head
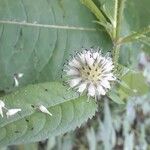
(89, 72)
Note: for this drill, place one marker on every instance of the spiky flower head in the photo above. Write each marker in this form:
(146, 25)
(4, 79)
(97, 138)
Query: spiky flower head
(90, 72)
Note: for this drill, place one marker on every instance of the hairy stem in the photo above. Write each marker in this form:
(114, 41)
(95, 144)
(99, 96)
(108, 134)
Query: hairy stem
(115, 18)
(119, 14)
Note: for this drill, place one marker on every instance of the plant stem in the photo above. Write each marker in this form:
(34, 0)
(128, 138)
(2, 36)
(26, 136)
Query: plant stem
(116, 50)
(115, 18)
(119, 14)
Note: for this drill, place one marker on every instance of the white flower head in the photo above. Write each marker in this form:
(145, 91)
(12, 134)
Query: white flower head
(90, 72)
(44, 110)
(12, 112)
(2, 105)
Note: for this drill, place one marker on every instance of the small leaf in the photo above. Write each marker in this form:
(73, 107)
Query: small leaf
(135, 36)
(136, 83)
(95, 10)
(114, 97)
(100, 15)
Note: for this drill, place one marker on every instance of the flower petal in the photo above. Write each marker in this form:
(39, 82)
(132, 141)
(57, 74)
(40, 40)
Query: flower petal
(74, 63)
(101, 90)
(110, 78)
(82, 87)
(95, 55)
(91, 90)
(105, 84)
(72, 72)
(108, 68)
(82, 58)
(74, 82)
(89, 59)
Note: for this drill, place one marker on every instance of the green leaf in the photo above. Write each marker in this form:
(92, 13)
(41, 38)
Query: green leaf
(135, 36)
(109, 7)
(101, 14)
(115, 97)
(95, 10)
(37, 37)
(30, 125)
(135, 85)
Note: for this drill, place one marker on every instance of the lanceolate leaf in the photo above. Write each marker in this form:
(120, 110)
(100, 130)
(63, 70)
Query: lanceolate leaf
(95, 10)
(67, 108)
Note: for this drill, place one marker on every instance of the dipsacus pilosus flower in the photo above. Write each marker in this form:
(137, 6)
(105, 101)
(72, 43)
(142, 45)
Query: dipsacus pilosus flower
(90, 72)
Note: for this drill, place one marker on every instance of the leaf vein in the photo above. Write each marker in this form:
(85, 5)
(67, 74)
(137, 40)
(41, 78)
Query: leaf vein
(63, 27)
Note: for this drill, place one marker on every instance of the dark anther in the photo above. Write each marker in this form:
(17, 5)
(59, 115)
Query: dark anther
(89, 68)
(88, 73)
(83, 68)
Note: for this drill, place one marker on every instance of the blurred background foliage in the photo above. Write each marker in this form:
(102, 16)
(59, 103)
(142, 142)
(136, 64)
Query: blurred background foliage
(120, 27)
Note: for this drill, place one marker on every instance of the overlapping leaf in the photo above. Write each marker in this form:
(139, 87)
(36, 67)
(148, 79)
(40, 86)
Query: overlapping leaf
(40, 51)
(68, 111)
